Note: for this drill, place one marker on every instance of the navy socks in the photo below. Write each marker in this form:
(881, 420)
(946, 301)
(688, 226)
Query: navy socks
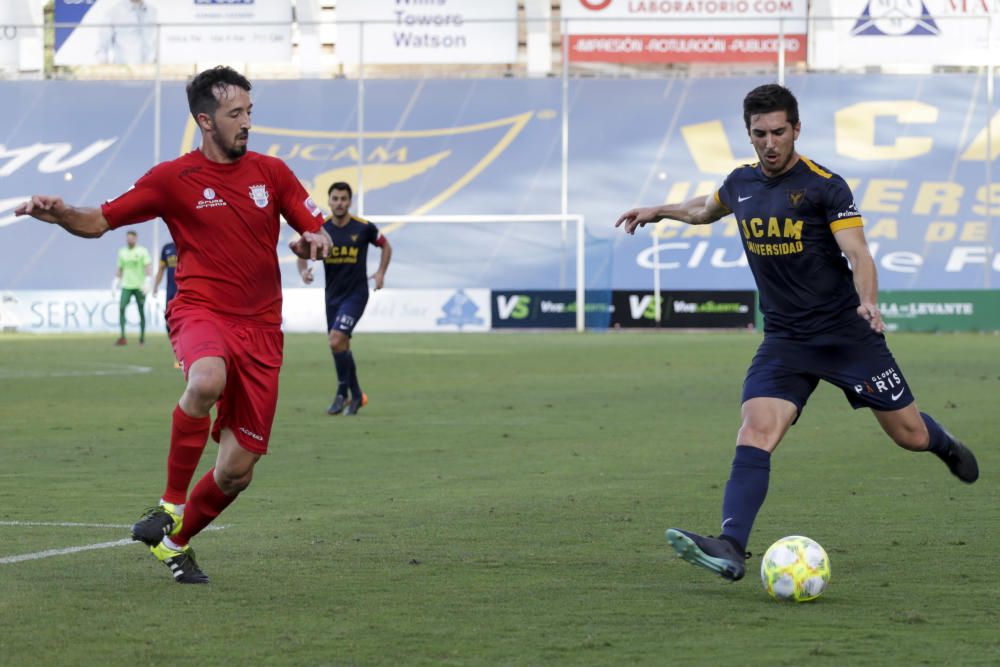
(353, 377)
(344, 362)
(940, 442)
(745, 493)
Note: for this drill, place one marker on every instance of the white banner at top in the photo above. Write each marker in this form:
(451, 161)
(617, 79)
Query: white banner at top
(855, 33)
(225, 31)
(684, 17)
(439, 32)
(20, 40)
(134, 32)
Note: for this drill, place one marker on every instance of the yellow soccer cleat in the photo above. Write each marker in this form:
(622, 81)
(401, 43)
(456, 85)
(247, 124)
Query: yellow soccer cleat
(181, 563)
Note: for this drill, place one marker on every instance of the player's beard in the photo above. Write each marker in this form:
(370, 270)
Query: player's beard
(235, 150)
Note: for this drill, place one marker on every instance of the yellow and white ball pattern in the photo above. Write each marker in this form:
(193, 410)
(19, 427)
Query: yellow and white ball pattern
(795, 568)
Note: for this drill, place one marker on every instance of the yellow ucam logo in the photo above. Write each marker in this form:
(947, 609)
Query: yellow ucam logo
(782, 238)
(340, 254)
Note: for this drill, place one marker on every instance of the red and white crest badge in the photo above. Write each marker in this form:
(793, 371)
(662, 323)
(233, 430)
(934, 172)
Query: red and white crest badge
(258, 193)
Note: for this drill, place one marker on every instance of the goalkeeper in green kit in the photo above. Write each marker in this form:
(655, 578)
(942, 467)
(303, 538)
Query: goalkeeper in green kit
(134, 277)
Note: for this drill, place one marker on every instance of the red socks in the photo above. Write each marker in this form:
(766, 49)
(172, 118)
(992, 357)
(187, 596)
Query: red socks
(188, 436)
(206, 502)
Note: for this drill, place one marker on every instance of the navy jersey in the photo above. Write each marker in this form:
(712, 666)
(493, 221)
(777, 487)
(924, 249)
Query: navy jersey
(787, 225)
(168, 259)
(346, 267)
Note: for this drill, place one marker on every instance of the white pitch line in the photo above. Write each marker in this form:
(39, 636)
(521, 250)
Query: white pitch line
(62, 552)
(65, 524)
(48, 553)
(107, 369)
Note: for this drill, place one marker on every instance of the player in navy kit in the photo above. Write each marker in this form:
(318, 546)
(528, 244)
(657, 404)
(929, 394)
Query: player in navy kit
(800, 228)
(346, 272)
(168, 265)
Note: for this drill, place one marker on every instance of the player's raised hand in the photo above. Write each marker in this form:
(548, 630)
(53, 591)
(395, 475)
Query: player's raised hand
(871, 314)
(307, 275)
(43, 207)
(379, 279)
(311, 245)
(637, 217)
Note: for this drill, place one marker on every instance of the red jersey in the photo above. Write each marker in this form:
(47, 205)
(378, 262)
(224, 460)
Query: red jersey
(225, 221)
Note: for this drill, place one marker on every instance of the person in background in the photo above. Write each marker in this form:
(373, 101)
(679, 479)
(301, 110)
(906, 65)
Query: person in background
(132, 280)
(346, 273)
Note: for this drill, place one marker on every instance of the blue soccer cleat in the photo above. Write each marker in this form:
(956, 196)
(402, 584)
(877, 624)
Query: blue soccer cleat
(711, 553)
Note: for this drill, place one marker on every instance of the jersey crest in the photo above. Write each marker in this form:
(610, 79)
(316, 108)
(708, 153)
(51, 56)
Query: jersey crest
(258, 193)
(795, 197)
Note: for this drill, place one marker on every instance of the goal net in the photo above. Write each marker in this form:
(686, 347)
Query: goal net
(502, 252)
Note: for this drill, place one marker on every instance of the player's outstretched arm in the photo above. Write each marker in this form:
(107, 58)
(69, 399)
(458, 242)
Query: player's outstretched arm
(697, 211)
(853, 244)
(311, 245)
(86, 222)
(383, 263)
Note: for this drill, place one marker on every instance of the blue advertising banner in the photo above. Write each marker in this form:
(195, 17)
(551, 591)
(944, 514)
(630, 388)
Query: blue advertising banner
(914, 150)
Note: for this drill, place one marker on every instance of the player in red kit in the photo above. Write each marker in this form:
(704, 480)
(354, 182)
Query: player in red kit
(222, 206)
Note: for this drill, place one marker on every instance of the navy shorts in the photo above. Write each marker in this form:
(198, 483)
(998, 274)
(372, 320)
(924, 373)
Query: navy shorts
(343, 315)
(863, 368)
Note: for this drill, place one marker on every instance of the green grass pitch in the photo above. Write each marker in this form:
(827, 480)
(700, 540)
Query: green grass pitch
(501, 501)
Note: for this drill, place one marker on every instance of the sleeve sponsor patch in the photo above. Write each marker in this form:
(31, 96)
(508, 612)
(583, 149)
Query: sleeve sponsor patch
(312, 207)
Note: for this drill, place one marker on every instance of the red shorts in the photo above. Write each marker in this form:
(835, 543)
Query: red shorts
(253, 359)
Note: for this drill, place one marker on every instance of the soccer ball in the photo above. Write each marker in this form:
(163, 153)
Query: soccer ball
(795, 568)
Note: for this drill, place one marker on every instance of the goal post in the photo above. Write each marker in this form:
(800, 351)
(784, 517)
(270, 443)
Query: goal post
(392, 223)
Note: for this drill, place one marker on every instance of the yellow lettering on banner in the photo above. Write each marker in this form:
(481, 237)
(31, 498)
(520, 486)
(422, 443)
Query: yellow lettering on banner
(990, 200)
(974, 231)
(977, 149)
(317, 152)
(793, 229)
(350, 153)
(855, 129)
(881, 193)
(946, 195)
(668, 229)
(274, 150)
(885, 228)
(853, 183)
(706, 188)
(729, 227)
(380, 154)
(678, 193)
(940, 231)
(703, 231)
(709, 146)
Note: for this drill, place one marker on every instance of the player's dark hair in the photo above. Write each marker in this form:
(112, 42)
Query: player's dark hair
(132, 233)
(201, 90)
(767, 98)
(340, 185)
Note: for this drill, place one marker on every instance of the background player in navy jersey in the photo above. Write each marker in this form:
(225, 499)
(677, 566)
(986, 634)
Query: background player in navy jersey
(798, 221)
(223, 206)
(346, 272)
(168, 266)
